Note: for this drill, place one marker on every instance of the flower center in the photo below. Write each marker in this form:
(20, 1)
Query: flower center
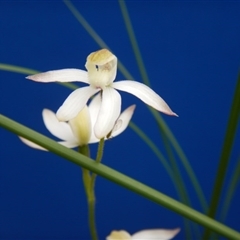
(81, 126)
(102, 68)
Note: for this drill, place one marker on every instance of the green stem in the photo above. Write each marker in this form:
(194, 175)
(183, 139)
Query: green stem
(134, 42)
(89, 190)
(182, 187)
(231, 189)
(98, 160)
(94, 35)
(100, 151)
(167, 131)
(225, 155)
(118, 178)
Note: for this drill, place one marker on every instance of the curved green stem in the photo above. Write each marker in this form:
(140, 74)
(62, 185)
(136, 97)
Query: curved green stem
(234, 181)
(87, 182)
(225, 155)
(94, 35)
(160, 121)
(146, 80)
(118, 178)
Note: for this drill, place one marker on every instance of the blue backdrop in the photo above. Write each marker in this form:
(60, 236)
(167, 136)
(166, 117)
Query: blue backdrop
(191, 53)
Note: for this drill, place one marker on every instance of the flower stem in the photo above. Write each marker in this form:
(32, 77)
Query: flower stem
(100, 151)
(89, 189)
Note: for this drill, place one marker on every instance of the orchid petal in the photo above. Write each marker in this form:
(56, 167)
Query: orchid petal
(94, 107)
(109, 112)
(155, 234)
(32, 144)
(119, 235)
(62, 75)
(125, 118)
(145, 93)
(74, 103)
(62, 130)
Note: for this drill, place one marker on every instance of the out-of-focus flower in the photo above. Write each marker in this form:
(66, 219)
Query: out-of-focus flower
(151, 234)
(101, 72)
(78, 131)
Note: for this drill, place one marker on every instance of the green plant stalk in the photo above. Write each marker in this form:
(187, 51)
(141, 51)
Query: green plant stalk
(28, 71)
(118, 178)
(98, 160)
(177, 184)
(162, 125)
(225, 155)
(94, 35)
(90, 194)
(183, 190)
(234, 181)
(134, 42)
(140, 133)
(145, 79)
(160, 121)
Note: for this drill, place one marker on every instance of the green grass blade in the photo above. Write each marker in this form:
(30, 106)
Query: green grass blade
(177, 184)
(134, 43)
(160, 121)
(118, 178)
(225, 155)
(94, 35)
(234, 181)
(183, 158)
(177, 174)
(28, 71)
(154, 149)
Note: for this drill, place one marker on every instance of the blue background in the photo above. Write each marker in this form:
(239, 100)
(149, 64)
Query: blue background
(192, 54)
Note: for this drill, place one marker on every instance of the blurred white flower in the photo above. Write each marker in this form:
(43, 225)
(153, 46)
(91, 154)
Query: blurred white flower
(101, 72)
(78, 131)
(151, 234)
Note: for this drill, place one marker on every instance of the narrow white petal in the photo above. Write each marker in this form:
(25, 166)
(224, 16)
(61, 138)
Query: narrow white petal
(145, 93)
(109, 112)
(69, 144)
(125, 118)
(32, 144)
(62, 75)
(74, 103)
(62, 130)
(156, 234)
(94, 108)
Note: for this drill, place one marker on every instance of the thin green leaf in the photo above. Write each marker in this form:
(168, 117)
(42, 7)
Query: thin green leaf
(94, 35)
(160, 121)
(225, 155)
(234, 181)
(117, 178)
(134, 43)
(164, 162)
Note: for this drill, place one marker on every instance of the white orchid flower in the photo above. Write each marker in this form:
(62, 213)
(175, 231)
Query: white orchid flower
(100, 75)
(151, 234)
(79, 130)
